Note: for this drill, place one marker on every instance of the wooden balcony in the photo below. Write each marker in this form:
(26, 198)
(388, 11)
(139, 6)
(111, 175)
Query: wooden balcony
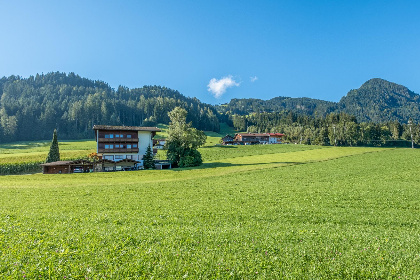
(118, 140)
(121, 151)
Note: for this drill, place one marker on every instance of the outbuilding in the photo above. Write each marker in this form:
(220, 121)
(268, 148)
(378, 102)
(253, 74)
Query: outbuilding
(66, 167)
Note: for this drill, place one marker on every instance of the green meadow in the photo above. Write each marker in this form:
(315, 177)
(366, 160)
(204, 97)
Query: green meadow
(249, 212)
(23, 152)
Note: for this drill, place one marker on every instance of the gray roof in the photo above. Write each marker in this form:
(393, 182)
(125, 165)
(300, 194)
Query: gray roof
(57, 163)
(131, 128)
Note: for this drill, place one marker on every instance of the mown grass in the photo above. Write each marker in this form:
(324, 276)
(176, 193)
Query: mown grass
(327, 213)
(37, 151)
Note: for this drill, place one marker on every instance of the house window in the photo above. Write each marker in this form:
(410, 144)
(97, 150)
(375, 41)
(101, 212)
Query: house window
(121, 136)
(117, 136)
(106, 146)
(128, 146)
(109, 157)
(111, 146)
(111, 136)
(129, 136)
(134, 145)
(119, 157)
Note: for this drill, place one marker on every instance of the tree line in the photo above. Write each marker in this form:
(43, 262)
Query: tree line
(30, 108)
(338, 129)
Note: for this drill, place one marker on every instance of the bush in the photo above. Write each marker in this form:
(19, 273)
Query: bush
(190, 158)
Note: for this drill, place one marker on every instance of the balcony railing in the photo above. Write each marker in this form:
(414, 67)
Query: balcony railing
(118, 140)
(123, 150)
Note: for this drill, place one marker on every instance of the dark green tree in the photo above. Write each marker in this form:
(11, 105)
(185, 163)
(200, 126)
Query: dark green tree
(183, 140)
(148, 162)
(54, 153)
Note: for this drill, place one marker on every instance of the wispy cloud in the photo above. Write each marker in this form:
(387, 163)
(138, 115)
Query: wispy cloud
(219, 87)
(253, 79)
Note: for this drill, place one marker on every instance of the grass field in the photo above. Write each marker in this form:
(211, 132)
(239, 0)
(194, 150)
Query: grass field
(21, 152)
(257, 212)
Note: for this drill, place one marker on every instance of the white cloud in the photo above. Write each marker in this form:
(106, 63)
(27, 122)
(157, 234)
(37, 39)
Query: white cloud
(219, 87)
(253, 79)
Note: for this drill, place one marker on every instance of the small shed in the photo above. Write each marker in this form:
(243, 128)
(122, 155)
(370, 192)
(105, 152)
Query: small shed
(66, 167)
(163, 164)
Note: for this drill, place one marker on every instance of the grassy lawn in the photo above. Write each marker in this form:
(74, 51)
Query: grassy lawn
(257, 212)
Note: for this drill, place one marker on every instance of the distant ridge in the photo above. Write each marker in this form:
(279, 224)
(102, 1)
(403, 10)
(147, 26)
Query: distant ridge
(377, 100)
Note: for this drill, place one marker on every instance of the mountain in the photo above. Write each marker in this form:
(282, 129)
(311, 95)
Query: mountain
(378, 100)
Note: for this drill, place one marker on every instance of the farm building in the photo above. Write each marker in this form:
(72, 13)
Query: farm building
(66, 167)
(116, 143)
(158, 144)
(252, 138)
(227, 140)
(275, 138)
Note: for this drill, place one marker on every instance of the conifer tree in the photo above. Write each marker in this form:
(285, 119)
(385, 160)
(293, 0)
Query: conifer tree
(54, 153)
(148, 162)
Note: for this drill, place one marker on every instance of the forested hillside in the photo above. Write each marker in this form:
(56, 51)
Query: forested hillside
(304, 106)
(31, 108)
(376, 101)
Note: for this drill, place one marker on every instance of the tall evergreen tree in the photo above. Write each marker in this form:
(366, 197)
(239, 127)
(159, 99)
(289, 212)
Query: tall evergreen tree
(54, 153)
(148, 162)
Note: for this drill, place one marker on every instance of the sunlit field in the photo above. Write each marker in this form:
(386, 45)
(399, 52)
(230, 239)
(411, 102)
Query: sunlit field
(249, 212)
(21, 152)
(25, 157)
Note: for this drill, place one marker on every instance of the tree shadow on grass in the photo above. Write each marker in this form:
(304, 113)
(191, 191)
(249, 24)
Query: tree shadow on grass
(227, 164)
(224, 147)
(24, 145)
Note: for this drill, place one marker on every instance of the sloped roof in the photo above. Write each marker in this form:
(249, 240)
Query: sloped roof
(56, 163)
(254, 134)
(67, 162)
(261, 134)
(131, 128)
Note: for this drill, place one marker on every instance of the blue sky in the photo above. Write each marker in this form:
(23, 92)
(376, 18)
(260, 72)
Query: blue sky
(217, 50)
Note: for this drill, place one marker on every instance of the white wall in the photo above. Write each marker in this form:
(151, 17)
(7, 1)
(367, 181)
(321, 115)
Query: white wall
(145, 139)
